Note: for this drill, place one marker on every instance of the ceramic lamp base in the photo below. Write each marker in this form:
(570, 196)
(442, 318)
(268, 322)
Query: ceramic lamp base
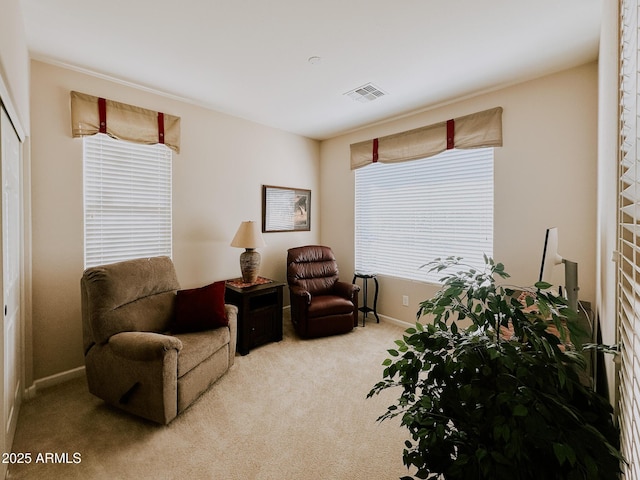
(249, 265)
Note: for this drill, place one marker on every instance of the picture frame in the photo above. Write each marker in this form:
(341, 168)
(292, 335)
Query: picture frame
(285, 209)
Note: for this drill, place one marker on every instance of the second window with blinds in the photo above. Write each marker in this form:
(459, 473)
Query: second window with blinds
(127, 200)
(410, 213)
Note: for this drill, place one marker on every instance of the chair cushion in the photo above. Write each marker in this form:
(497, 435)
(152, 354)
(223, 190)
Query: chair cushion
(133, 295)
(313, 268)
(197, 347)
(322, 305)
(199, 309)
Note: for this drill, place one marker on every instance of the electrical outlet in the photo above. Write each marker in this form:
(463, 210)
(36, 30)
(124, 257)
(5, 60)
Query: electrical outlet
(405, 300)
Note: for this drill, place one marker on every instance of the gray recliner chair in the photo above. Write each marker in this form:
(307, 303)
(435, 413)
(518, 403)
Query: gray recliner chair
(132, 360)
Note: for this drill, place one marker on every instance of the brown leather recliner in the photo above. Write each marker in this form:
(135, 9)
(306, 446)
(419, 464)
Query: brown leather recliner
(321, 305)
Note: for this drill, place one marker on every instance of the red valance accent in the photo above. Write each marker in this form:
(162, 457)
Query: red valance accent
(375, 150)
(451, 127)
(102, 113)
(160, 127)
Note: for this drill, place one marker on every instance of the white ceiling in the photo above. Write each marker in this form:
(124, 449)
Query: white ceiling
(249, 58)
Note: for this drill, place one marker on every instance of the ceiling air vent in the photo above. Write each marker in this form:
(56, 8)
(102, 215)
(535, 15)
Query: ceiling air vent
(365, 93)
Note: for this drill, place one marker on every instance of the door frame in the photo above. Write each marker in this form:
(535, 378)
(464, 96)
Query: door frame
(26, 351)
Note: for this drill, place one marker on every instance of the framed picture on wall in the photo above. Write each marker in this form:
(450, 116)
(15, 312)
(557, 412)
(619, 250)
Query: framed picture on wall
(285, 209)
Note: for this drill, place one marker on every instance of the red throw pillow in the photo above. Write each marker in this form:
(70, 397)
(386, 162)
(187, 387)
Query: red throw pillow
(200, 309)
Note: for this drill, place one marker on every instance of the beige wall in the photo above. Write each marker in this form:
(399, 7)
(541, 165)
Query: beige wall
(545, 175)
(217, 181)
(14, 59)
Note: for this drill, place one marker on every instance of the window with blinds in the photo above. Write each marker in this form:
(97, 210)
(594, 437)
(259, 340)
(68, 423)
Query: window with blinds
(628, 283)
(127, 200)
(411, 212)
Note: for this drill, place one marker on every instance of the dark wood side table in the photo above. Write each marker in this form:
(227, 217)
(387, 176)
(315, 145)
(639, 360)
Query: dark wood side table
(365, 309)
(259, 312)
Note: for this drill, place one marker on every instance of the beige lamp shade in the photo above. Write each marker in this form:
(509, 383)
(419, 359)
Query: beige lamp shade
(249, 237)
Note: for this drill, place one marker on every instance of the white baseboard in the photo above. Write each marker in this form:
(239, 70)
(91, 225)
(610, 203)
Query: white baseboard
(395, 321)
(52, 380)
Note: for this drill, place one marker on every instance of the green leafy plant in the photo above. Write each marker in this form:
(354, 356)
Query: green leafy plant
(492, 387)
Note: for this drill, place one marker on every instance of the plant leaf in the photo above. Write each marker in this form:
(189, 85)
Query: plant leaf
(520, 411)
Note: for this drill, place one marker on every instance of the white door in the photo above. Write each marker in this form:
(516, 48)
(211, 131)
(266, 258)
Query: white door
(11, 277)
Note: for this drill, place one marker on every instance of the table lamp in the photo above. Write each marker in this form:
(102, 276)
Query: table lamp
(249, 237)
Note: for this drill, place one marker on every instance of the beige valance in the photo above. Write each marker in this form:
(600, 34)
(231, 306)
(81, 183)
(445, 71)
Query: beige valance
(482, 129)
(91, 115)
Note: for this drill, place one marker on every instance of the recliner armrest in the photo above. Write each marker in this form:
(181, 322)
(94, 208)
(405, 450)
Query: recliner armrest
(232, 316)
(346, 290)
(300, 294)
(143, 345)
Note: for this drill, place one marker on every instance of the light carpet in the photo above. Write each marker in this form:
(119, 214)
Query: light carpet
(296, 409)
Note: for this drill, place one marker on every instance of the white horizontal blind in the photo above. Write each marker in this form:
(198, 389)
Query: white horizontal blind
(410, 213)
(628, 288)
(127, 200)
